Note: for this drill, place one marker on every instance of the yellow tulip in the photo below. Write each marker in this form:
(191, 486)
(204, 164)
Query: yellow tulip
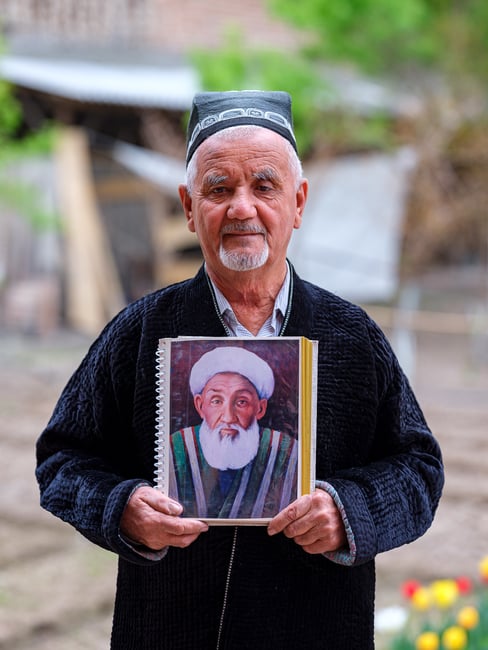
(468, 617)
(427, 641)
(454, 638)
(421, 599)
(483, 567)
(444, 593)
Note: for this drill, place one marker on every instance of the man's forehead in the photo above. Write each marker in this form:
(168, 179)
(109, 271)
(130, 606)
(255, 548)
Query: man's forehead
(249, 142)
(264, 158)
(229, 381)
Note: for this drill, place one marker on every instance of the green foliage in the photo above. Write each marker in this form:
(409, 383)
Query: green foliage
(35, 144)
(341, 131)
(236, 68)
(388, 36)
(375, 34)
(15, 194)
(10, 112)
(24, 199)
(463, 37)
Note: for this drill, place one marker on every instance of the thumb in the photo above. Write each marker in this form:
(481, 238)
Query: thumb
(159, 501)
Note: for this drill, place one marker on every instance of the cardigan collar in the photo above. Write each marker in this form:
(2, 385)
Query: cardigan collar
(199, 315)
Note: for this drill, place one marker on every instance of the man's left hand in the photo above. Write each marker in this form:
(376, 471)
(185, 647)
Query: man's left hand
(313, 521)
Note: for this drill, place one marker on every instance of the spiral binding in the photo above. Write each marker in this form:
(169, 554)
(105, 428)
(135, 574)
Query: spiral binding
(162, 418)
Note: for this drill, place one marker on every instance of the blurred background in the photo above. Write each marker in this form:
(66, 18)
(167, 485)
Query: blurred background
(390, 105)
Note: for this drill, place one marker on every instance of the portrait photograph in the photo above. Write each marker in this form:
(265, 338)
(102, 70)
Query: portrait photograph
(232, 430)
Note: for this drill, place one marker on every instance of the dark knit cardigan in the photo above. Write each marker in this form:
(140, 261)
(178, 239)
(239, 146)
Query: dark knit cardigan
(373, 447)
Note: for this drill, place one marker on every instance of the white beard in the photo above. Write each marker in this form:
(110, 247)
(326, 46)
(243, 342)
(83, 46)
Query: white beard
(238, 261)
(227, 452)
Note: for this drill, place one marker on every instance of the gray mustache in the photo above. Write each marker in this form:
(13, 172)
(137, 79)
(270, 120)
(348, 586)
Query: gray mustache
(242, 227)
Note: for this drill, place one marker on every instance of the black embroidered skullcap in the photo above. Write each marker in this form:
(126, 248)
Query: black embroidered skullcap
(215, 111)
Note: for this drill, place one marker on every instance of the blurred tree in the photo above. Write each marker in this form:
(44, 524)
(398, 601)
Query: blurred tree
(376, 34)
(385, 36)
(14, 193)
(10, 111)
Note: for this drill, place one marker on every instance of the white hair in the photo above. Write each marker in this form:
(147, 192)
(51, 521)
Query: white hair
(243, 131)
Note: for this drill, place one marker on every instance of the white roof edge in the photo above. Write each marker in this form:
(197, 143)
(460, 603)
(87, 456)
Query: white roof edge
(125, 84)
(163, 171)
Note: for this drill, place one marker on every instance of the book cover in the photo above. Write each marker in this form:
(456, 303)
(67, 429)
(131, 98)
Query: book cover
(235, 437)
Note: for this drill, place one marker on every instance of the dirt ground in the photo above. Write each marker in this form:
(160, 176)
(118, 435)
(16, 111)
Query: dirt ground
(56, 590)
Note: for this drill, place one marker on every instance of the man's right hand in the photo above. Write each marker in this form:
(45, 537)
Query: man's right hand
(152, 519)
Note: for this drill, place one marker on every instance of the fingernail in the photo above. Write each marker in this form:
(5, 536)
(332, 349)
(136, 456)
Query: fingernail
(174, 508)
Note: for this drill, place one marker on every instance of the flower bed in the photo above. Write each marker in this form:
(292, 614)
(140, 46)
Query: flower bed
(447, 614)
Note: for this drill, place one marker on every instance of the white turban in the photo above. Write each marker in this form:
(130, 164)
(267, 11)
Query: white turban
(233, 359)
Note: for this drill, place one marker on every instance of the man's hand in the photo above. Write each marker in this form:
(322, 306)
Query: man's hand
(313, 521)
(152, 519)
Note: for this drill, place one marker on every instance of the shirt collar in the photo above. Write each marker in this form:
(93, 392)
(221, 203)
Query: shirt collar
(272, 325)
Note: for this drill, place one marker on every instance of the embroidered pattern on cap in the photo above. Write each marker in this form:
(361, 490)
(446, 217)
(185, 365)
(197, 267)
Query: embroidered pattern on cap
(235, 113)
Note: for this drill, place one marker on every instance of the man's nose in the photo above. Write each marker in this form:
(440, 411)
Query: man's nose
(242, 205)
(228, 413)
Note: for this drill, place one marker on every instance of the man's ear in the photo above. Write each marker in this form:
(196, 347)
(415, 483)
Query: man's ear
(301, 200)
(186, 202)
(263, 405)
(197, 401)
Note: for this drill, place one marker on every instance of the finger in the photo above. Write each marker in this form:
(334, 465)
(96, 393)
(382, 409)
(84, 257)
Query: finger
(168, 506)
(318, 542)
(181, 541)
(317, 547)
(312, 536)
(319, 539)
(185, 531)
(322, 517)
(290, 514)
(159, 501)
(180, 527)
(174, 531)
(322, 521)
(303, 526)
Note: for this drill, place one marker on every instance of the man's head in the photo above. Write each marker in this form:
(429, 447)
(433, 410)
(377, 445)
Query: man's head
(244, 192)
(230, 387)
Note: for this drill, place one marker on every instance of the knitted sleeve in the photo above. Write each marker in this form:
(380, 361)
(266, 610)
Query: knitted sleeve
(82, 459)
(391, 500)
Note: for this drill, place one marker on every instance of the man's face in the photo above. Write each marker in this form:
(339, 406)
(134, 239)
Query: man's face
(244, 203)
(228, 401)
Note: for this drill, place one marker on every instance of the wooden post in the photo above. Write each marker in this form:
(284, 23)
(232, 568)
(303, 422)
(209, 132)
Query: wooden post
(93, 290)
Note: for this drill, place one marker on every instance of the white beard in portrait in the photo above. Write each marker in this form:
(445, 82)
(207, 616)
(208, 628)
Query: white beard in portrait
(229, 452)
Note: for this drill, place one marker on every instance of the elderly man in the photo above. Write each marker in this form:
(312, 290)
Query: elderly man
(307, 580)
(228, 466)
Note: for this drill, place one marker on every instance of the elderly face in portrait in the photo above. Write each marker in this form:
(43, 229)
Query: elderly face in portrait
(230, 405)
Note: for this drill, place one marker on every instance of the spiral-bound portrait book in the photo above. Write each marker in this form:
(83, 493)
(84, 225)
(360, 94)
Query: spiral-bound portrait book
(236, 425)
